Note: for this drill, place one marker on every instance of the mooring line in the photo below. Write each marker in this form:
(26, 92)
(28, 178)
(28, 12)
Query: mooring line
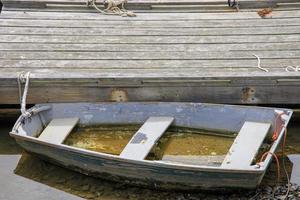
(23, 78)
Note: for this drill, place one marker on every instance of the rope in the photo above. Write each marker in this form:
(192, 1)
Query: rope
(283, 163)
(258, 64)
(32, 111)
(25, 114)
(23, 78)
(19, 80)
(275, 136)
(275, 133)
(277, 162)
(113, 8)
(292, 68)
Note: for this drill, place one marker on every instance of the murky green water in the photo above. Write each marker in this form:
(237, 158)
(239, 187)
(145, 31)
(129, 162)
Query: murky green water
(175, 141)
(94, 188)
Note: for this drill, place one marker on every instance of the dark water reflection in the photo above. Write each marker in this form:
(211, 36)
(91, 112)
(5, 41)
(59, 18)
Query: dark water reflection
(94, 188)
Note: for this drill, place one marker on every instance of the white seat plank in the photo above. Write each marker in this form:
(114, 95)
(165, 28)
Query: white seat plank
(246, 145)
(145, 138)
(58, 129)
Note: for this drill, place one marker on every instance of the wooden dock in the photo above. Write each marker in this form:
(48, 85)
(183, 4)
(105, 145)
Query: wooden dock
(200, 51)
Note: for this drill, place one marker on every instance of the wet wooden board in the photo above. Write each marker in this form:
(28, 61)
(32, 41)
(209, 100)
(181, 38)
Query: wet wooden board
(246, 145)
(58, 130)
(146, 137)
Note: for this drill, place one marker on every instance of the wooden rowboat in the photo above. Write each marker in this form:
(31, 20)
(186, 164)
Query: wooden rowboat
(44, 129)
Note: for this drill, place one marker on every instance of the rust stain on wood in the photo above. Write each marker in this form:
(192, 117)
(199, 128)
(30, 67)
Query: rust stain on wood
(118, 95)
(248, 95)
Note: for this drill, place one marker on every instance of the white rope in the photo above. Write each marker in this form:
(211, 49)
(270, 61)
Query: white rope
(23, 78)
(258, 64)
(291, 68)
(113, 8)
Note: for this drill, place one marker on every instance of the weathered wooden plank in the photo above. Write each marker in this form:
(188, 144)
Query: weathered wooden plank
(146, 16)
(148, 48)
(150, 40)
(146, 137)
(83, 2)
(123, 66)
(160, 24)
(198, 9)
(130, 4)
(150, 32)
(58, 130)
(177, 2)
(268, 94)
(136, 8)
(194, 55)
(246, 145)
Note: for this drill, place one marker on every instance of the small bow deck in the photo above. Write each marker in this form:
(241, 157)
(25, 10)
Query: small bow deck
(172, 51)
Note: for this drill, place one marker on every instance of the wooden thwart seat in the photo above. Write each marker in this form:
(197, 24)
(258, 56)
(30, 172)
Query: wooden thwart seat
(246, 145)
(58, 130)
(145, 138)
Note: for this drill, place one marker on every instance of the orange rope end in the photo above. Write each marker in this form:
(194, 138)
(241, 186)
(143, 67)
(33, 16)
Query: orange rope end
(276, 131)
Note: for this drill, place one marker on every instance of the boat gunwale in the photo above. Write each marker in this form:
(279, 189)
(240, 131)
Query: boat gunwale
(251, 169)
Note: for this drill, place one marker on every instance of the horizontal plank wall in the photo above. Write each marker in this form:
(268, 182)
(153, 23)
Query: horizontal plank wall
(201, 51)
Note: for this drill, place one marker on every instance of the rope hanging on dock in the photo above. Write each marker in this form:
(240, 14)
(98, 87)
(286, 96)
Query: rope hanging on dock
(25, 114)
(114, 7)
(23, 78)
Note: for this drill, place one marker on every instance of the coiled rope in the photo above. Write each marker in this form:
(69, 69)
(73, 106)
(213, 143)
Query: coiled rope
(115, 7)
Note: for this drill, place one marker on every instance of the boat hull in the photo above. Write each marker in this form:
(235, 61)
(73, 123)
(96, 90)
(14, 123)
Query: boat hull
(146, 175)
(155, 174)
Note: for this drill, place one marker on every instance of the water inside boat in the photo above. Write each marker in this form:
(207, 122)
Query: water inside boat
(177, 144)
